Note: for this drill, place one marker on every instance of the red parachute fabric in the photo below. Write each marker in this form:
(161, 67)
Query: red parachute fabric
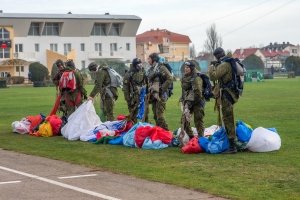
(35, 121)
(55, 123)
(141, 133)
(192, 147)
(159, 133)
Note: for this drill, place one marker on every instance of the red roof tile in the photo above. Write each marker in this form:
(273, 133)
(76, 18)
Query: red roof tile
(156, 36)
(243, 53)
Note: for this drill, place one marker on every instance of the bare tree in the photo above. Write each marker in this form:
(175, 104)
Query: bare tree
(192, 51)
(213, 39)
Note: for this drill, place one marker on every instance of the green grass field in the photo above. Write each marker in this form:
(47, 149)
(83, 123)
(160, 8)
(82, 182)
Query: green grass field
(273, 175)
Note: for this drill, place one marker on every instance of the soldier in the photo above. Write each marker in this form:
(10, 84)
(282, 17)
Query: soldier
(71, 89)
(108, 94)
(192, 99)
(134, 81)
(160, 79)
(225, 93)
(60, 66)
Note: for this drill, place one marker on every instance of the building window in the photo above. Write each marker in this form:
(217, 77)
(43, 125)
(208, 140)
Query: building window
(82, 47)
(99, 29)
(34, 28)
(67, 48)
(53, 47)
(19, 68)
(98, 48)
(115, 29)
(113, 47)
(294, 50)
(4, 36)
(18, 48)
(83, 63)
(51, 28)
(37, 47)
(128, 46)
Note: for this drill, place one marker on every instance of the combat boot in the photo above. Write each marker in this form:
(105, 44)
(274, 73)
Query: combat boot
(232, 147)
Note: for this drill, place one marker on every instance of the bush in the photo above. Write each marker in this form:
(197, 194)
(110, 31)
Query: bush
(17, 79)
(268, 76)
(39, 84)
(38, 72)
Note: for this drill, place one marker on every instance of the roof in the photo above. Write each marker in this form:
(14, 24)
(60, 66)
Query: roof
(66, 16)
(270, 54)
(156, 36)
(243, 53)
(277, 46)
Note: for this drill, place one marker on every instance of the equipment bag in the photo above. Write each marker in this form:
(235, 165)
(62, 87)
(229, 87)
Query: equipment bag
(67, 80)
(116, 80)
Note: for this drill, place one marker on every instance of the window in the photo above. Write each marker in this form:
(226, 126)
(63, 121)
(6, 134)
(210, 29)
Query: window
(115, 29)
(67, 48)
(128, 46)
(113, 47)
(294, 50)
(37, 47)
(4, 36)
(34, 28)
(99, 29)
(22, 68)
(98, 48)
(83, 63)
(51, 28)
(19, 68)
(18, 48)
(53, 47)
(82, 47)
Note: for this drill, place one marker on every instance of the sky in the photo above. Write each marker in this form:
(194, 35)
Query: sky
(240, 23)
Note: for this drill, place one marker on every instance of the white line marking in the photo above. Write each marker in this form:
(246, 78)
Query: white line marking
(8, 182)
(60, 184)
(79, 176)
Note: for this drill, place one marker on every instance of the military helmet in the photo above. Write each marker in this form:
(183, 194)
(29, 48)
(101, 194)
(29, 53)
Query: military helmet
(92, 66)
(219, 53)
(190, 64)
(154, 57)
(70, 63)
(136, 61)
(59, 62)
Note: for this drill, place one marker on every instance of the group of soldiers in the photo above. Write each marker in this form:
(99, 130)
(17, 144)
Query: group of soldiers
(156, 81)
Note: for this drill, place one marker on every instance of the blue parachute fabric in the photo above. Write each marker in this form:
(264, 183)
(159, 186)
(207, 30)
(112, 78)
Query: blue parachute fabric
(141, 107)
(219, 142)
(243, 132)
(157, 144)
(203, 142)
(273, 129)
(128, 138)
(117, 140)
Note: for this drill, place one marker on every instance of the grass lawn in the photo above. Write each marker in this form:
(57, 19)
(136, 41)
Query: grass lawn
(273, 175)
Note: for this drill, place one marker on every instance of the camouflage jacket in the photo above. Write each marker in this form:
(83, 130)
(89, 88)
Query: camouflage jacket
(192, 86)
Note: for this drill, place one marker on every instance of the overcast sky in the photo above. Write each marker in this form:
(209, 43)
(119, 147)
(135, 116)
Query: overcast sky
(240, 23)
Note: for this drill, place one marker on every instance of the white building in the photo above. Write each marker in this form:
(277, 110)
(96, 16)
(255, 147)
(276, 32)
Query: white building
(45, 38)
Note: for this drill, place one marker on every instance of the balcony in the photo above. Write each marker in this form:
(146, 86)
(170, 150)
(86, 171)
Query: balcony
(106, 55)
(29, 56)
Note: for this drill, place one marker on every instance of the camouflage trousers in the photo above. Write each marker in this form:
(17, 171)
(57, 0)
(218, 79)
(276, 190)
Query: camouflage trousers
(198, 112)
(158, 109)
(107, 108)
(70, 100)
(228, 115)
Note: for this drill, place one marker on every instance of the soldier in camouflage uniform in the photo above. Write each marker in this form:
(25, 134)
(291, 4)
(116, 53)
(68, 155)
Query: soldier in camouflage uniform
(72, 99)
(134, 80)
(160, 79)
(192, 99)
(108, 94)
(60, 66)
(226, 96)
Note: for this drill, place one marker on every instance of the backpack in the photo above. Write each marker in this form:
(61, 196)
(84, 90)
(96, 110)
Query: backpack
(67, 80)
(206, 86)
(116, 80)
(238, 71)
(171, 86)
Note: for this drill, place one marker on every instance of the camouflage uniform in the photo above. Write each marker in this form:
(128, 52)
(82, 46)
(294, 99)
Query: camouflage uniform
(193, 102)
(72, 99)
(108, 94)
(226, 97)
(134, 80)
(159, 79)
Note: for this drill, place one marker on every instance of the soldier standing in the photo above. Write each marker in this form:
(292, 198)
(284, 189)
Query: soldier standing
(134, 81)
(160, 79)
(225, 93)
(192, 99)
(71, 89)
(108, 93)
(60, 66)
